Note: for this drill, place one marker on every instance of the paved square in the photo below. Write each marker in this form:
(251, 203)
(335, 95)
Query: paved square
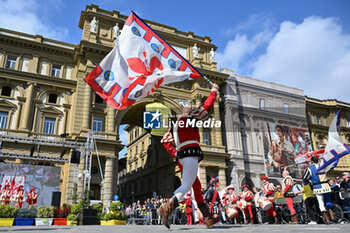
(180, 228)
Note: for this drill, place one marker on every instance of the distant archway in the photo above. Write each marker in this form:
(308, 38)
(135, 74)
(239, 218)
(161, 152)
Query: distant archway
(248, 181)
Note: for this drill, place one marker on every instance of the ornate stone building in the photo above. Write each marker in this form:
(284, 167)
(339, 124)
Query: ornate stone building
(43, 94)
(320, 114)
(248, 105)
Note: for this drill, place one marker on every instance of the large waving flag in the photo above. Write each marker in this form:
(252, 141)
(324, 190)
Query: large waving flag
(335, 148)
(140, 62)
(306, 157)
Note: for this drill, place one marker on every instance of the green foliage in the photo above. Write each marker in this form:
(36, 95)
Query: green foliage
(7, 211)
(46, 212)
(98, 207)
(26, 213)
(70, 217)
(85, 201)
(116, 206)
(76, 208)
(117, 215)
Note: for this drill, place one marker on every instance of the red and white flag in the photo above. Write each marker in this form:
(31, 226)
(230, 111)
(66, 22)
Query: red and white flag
(306, 157)
(140, 63)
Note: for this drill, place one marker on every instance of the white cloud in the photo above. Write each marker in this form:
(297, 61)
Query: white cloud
(244, 45)
(239, 49)
(29, 16)
(313, 55)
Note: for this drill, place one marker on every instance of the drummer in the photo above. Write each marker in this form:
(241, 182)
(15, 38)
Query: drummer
(268, 189)
(247, 196)
(231, 198)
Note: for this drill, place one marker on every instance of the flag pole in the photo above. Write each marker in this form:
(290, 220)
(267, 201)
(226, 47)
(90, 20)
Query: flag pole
(211, 83)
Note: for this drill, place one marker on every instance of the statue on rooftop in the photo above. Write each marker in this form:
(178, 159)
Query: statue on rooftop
(93, 25)
(195, 50)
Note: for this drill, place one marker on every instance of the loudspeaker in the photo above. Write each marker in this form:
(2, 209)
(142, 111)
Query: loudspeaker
(56, 199)
(88, 217)
(75, 158)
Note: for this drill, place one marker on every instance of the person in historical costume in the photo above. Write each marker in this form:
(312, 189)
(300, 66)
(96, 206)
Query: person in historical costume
(212, 197)
(188, 208)
(32, 198)
(19, 197)
(248, 197)
(6, 195)
(231, 198)
(268, 189)
(287, 187)
(321, 189)
(186, 141)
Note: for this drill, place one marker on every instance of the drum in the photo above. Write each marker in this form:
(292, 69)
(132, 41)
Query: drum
(264, 203)
(242, 204)
(231, 211)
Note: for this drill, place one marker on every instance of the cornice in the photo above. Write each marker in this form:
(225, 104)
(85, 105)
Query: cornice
(37, 78)
(270, 91)
(34, 45)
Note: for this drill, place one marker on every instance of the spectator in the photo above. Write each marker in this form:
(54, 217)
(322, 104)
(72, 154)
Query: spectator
(338, 181)
(310, 201)
(296, 187)
(335, 198)
(345, 187)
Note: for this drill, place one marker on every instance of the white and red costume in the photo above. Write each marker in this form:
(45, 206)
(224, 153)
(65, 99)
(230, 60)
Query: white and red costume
(168, 141)
(19, 197)
(32, 198)
(187, 139)
(6, 195)
(288, 193)
(188, 152)
(247, 196)
(268, 189)
(231, 198)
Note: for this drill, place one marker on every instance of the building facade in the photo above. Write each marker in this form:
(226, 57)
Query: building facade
(320, 114)
(249, 109)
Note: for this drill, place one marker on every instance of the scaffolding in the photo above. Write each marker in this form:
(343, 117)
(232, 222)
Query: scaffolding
(85, 149)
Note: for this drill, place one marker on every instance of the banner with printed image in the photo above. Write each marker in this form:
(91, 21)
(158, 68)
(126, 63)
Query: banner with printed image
(45, 180)
(282, 144)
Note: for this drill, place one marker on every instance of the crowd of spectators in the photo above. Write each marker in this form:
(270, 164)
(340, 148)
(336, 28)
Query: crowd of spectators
(146, 212)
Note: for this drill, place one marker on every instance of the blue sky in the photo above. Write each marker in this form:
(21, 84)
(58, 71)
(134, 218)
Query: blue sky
(300, 43)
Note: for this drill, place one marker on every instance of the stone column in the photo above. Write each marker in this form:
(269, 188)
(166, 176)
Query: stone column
(203, 176)
(18, 116)
(222, 177)
(110, 120)
(64, 122)
(87, 108)
(35, 120)
(108, 177)
(26, 116)
(71, 117)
